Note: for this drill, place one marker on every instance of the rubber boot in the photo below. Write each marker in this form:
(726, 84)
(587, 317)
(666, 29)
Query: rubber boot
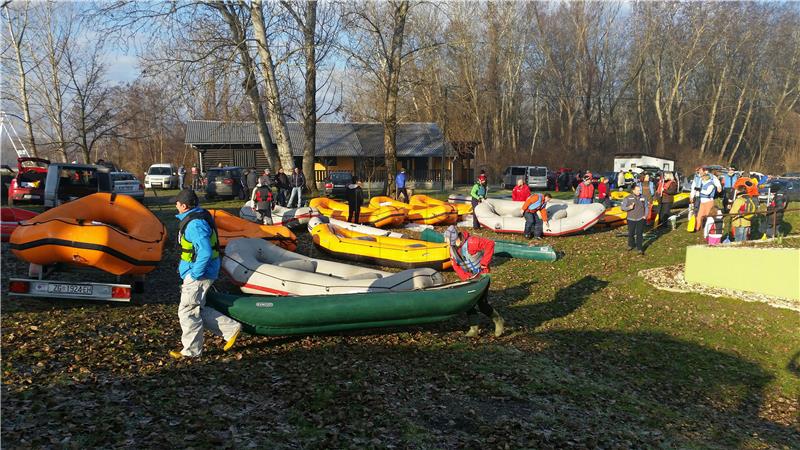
(499, 324)
(473, 331)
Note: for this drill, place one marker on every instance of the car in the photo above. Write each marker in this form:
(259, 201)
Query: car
(225, 182)
(127, 183)
(28, 185)
(7, 174)
(789, 186)
(791, 175)
(336, 184)
(535, 176)
(67, 182)
(164, 176)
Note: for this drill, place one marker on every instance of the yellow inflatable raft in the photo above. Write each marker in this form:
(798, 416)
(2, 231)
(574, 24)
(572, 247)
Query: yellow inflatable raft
(380, 250)
(385, 216)
(426, 214)
(424, 200)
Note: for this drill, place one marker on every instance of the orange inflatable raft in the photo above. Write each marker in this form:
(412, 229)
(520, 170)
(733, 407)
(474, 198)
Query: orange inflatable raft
(233, 227)
(384, 216)
(113, 233)
(424, 200)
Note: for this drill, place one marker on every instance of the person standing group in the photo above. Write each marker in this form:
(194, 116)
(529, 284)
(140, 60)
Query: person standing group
(728, 182)
(262, 200)
(521, 191)
(584, 193)
(181, 176)
(400, 180)
(477, 195)
(282, 183)
(637, 208)
(665, 193)
(297, 182)
(743, 207)
(709, 187)
(355, 198)
(603, 190)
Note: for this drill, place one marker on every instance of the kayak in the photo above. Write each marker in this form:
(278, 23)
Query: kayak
(259, 267)
(380, 250)
(424, 200)
(365, 229)
(111, 232)
(11, 218)
(385, 216)
(288, 217)
(230, 227)
(280, 316)
(505, 216)
(616, 217)
(506, 249)
(425, 214)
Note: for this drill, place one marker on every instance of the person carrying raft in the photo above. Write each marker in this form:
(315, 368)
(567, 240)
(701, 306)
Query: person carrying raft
(521, 191)
(534, 207)
(198, 268)
(470, 256)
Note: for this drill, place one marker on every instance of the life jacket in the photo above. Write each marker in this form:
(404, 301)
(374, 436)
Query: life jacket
(747, 207)
(264, 194)
(470, 263)
(707, 189)
(586, 191)
(628, 176)
(187, 248)
(536, 205)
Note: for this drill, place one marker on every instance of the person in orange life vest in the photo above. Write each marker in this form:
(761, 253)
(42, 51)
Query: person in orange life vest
(584, 193)
(533, 207)
(470, 256)
(602, 192)
(521, 191)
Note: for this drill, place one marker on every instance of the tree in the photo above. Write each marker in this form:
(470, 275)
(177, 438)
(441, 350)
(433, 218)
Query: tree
(17, 28)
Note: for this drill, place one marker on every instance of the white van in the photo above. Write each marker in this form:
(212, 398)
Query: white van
(163, 176)
(535, 176)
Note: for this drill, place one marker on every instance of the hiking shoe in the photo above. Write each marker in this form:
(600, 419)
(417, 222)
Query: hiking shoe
(229, 343)
(473, 331)
(499, 324)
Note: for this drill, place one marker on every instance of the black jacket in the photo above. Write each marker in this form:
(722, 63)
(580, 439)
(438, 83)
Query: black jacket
(297, 180)
(355, 195)
(282, 181)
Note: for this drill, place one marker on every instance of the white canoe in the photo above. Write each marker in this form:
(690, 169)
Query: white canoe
(565, 217)
(259, 267)
(366, 229)
(288, 217)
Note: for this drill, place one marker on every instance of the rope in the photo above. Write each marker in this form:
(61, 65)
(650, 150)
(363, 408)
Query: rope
(80, 223)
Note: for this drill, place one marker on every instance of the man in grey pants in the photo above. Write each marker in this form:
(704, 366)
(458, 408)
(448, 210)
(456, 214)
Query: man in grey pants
(297, 181)
(198, 268)
(638, 208)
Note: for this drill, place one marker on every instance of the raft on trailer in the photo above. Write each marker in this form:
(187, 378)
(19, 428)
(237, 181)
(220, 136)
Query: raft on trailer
(259, 267)
(385, 216)
(380, 250)
(287, 217)
(462, 209)
(505, 216)
(230, 227)
(11, 218)
(506, 249)
(365, 229)
(280, 316)
(443, 214)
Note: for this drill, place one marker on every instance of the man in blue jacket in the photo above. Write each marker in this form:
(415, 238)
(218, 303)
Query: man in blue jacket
(401, 185)
(198, 268)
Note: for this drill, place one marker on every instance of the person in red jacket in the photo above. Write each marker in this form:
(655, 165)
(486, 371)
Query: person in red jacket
(471, 256)
(521, 191)
(602, 192)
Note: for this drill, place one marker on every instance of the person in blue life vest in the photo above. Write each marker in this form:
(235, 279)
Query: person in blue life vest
(198, 268)
(477, 195)
(728, 181)
(470, 256)
(709, 186)
(400, 179)
(584, 193)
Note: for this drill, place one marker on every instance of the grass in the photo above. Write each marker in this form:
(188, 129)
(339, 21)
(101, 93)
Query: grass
(593, 357)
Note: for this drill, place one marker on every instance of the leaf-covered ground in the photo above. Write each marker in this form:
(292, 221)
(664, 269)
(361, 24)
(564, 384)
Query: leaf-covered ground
(593, 357)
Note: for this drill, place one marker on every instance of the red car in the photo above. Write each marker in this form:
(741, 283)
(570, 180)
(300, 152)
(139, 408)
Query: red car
(28, 185)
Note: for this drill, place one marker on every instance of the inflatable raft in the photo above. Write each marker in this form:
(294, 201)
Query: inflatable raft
(424, 200)
(287, 217)
(505, 216)
(11, 218)
(113, 233)
(278, 316)
(385, 216)
(506, 249)
(616, 217)
(230, 227)
(365, 229)
(443, 214)
(259, 267)
(380, 250)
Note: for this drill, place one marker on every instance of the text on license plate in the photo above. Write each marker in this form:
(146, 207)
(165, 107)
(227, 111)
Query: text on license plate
(79, 289)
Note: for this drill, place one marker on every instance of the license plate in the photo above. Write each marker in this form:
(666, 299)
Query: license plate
(125, 189)
(71, 289)
(30, 197)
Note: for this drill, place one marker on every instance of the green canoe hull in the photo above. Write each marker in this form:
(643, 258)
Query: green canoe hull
(313, 314)
(506, 249)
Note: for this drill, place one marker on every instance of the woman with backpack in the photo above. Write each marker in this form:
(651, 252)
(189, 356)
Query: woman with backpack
(262, 202)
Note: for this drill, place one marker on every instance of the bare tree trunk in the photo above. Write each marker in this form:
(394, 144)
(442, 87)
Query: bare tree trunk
(394, 60)
(23, 76)
(712, 117)
(273, 97)
(741, 134)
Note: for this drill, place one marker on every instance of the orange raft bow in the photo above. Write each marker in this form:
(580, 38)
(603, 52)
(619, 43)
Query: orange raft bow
(232, 227)
(113, 233)
(443, 214)
(384, 216)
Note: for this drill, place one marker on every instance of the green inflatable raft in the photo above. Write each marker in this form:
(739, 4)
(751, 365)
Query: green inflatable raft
(508, 249)
(280, 316)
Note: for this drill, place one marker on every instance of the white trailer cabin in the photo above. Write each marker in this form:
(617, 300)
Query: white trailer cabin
(625, 161)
